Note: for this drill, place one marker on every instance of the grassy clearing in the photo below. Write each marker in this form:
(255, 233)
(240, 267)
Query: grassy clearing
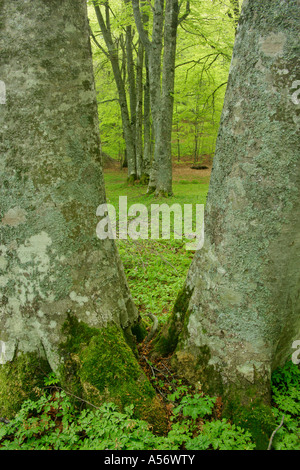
(155, 269)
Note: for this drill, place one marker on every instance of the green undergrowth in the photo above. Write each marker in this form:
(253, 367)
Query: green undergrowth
(55, 422)
(155, 269)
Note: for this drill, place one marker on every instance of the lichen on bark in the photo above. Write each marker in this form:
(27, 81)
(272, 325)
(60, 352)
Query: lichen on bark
(244, 308)
(52, 265)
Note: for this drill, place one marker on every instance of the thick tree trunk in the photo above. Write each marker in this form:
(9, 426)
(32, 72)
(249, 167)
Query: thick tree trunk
(239, 310)
(65, 301)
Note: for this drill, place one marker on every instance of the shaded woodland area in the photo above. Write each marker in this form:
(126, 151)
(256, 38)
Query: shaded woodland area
(125, 341)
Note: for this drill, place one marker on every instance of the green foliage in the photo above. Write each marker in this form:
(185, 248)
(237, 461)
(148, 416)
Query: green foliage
(190, 410)
(286, 402)
(194, 406)
(221, 435)
(204, 47)
(53, 422)
(155, 269)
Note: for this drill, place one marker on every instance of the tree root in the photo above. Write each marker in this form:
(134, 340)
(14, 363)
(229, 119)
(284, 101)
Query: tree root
(153, 329)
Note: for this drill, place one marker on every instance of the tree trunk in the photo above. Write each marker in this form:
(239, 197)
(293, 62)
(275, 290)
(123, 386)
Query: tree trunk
(112, 53)
(132, 91)
(163, 135)
(139, 111)
(161, 82)
(66, 305)
(238, 314)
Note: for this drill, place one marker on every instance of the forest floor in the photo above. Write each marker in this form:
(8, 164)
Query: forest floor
(182, 169)
(156, 269)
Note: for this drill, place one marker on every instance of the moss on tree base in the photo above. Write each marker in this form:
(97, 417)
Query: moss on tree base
(131, 180)
(144, 179)
(99, 366)
(20, 380)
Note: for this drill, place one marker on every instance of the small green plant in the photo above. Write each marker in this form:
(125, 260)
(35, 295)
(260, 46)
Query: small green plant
(286, 405)
(195, 406)
(190, 412)
(221, 435)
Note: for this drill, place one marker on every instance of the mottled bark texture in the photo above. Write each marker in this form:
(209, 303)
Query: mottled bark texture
(161, 86)
(238, 314)
(65, 303)
(128, 122)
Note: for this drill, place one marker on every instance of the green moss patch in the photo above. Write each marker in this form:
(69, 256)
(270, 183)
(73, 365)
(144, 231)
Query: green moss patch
(20, 380)
(99, 366)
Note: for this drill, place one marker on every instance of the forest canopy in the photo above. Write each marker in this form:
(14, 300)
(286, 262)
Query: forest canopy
(204, 47)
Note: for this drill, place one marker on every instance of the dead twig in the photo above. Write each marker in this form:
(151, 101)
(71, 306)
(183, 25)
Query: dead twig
(274, 432)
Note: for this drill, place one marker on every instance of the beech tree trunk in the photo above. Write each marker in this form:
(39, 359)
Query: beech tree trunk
(112, 53)
(239, 312)
(163, 135)
(161, 84)
(65, 303)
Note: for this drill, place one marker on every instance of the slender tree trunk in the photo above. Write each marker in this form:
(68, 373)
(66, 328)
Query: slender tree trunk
(66, 305)
(154, 52)
(163, 136)
(239, 310)
(161, 81)
(139, 111)
(132, 90)
(147, 124)
(114, 59)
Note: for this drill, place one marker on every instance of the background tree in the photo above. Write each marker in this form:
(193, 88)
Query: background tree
(236, 318)
(112, 52)
(161, 81)
(204, 47)
(66, 305)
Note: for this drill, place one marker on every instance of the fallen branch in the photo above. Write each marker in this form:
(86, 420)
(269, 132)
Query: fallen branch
(274, 432)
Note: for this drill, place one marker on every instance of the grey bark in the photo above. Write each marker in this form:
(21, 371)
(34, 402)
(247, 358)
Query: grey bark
(153, 50)
(139, 111)
(114, 59)
(132, 89)
(52, 263)
(242, 308)
(161, 83)
(163, 135)
(147, 122)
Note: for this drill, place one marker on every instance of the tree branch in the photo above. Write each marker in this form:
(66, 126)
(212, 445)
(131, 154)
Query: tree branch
(274, 432)
(97, 43)
(139, 25)
(187, 12)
